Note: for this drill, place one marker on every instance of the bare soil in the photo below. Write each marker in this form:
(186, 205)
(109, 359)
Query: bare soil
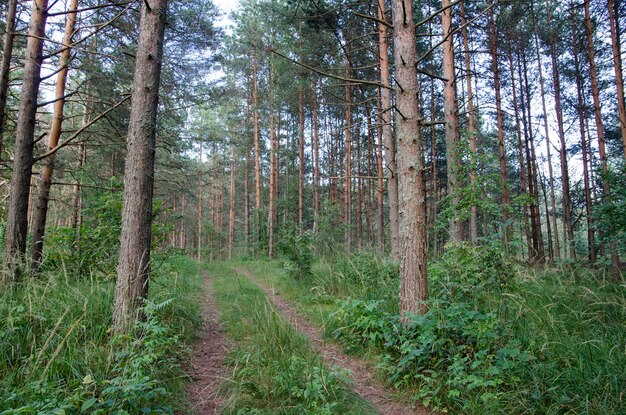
(207, 358)
(364, 383)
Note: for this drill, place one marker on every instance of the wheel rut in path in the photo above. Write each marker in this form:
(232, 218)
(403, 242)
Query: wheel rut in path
(206, 366)
(364, 383)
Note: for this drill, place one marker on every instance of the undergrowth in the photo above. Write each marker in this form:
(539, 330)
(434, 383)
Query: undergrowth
(57, 355)
(497, 339)
(274, 369)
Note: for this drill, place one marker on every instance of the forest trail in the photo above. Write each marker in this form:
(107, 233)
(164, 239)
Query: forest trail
(207, 357)
(364, 383)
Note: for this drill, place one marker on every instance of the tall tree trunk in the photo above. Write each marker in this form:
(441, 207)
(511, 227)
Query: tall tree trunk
(434, 176)
(520, 147)
(617, 64)
(5, 67)
(615, 272)
(359, 187)
(412, 204)
(591, 239)
(134, 259)
(257, 151)
(471, 126)
(231, 207)
(504, 176)
(17, 215)
(200, 205)
(271, 222)
(538, 253)
(555, 229)
(388, 139)
(451, 115)
(316, 160)
(565, 186)
(300, 159)
(380, 172)
(348, 159)
(41, 209)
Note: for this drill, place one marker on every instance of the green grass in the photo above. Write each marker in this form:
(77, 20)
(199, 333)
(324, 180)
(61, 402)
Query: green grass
(568, 321)
(274, 369)
(57, 354)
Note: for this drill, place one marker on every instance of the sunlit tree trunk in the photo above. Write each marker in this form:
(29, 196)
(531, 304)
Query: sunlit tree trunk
(257, 150)
(412, 204)
(17, 215)
(134, 259)
(41, 209)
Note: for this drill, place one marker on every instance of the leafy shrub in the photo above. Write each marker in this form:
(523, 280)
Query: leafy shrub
(466, 273)
(295, 248)
(452, 352)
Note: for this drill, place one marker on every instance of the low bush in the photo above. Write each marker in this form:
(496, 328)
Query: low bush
(57, 355)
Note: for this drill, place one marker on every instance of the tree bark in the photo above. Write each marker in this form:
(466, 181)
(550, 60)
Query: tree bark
(271, 222)
(412, 206)
(451, 116)
(556, 253)
(520, 146)
(316, 160)
(134, 260)
(388, 139)
(41, 209)
(615, 272)
(5, 67)
(200, 205)
(504, 176)
(17, 215)
(565, 185)
(617, 64)
(591, 239)
(471, 126)
(300, 159)
(257, 151)
(348, 159)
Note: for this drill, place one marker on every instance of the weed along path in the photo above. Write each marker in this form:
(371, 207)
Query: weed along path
(364, 383)
(208, 352)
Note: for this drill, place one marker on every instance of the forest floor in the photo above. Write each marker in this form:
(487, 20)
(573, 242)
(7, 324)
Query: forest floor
(211, 354)
(206, 366)
(364, 383)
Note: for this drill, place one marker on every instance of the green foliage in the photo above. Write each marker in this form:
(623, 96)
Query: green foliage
(498, 339)
(296, 249)
(274, 369)
(451, 353)
(57, 354)
(610, 215)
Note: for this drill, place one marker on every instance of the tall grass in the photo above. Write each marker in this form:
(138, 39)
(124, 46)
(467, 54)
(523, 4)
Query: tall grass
(57, 354)
(547, 341)
(274, 370)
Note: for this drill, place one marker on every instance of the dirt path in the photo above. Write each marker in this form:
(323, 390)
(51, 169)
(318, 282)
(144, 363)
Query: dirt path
(364, 383)
(208, 352)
